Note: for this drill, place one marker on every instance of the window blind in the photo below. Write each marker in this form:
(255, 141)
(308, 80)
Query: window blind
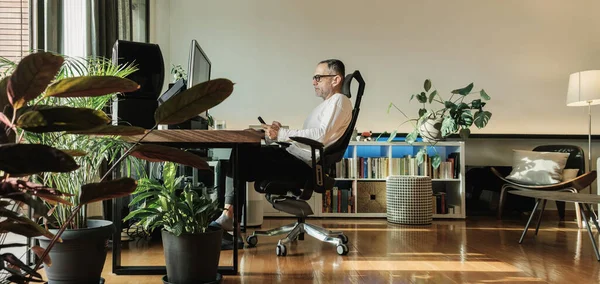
(14, 29)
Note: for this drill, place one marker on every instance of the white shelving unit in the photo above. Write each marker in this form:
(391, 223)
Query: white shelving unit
(453, 187)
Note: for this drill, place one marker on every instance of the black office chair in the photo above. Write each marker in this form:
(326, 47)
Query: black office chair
(290, 196)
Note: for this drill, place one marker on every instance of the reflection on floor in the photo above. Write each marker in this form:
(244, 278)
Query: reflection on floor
(473, 251)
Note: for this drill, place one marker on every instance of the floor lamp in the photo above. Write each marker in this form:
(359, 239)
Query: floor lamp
(584, 90)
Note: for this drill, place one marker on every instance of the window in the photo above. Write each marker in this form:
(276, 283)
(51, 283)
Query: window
(14, 29)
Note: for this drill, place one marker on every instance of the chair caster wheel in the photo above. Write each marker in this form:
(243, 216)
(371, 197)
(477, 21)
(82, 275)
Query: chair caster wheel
(281, 250)
(342, 249)
(252, 241)
(344, 238)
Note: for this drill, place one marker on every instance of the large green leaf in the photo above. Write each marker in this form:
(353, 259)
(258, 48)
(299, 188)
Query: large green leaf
(32, 76)
(62, 119)
(482, 118)
(23, 159)
(158, 153)
(193, 101)
(119, 130)
(99, 191)
(448, 126)
(464, 91)
(466, 118)
(90, 86)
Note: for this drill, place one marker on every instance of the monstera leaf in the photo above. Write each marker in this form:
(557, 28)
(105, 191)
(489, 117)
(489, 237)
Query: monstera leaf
(90, 86)
(32, 76)
(193, 101)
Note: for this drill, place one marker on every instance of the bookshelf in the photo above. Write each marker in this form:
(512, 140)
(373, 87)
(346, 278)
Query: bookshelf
(364, 186)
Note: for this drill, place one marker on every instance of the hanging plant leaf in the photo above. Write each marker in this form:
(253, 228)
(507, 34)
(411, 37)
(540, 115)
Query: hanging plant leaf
(482, 118)
(484, 95)
(422, 97)
(193, 101)
(464, 91)
(31, 77)
(412, 137)
(99, 191)
(90, 86)
(421, 155)
(427, 85)
(158, 153)
(23, 159)
(62, 119)
(432, 96)
(436, 160)
(119, 130)
(392, 136)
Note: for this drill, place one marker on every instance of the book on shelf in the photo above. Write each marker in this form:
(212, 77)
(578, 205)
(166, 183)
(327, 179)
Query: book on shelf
(382, 167)
(440, 203)
(338, 200)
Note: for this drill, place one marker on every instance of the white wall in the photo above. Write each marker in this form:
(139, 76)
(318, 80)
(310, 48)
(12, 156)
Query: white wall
(520, 51)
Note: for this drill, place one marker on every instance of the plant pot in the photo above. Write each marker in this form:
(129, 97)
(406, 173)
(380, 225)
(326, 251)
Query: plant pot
(430, 129)
(192, 258)
(81, 256)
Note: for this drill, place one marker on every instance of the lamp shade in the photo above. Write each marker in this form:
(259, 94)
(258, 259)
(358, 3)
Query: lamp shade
(584, 88)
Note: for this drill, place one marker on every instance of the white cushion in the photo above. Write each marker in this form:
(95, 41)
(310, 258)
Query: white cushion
(537, 168)
(569, 174)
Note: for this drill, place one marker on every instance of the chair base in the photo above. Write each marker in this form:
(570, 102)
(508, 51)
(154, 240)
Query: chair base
(296, 231)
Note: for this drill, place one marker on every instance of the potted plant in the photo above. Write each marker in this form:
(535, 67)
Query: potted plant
(439, 118)
(184, 214)
(30, 79)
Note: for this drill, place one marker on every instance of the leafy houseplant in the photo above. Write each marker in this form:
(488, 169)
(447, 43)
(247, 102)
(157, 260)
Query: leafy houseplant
(439, 118)
(34, 76)
(185, 214)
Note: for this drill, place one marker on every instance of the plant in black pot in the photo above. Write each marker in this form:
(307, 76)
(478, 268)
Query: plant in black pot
(439, 118)
(192, 248)
(22, 111)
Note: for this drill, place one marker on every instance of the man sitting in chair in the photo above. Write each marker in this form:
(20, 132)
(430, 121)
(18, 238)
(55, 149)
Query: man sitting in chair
(326, 124)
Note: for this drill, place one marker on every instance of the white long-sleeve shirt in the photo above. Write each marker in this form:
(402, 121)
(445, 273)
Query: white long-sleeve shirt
(326, 124)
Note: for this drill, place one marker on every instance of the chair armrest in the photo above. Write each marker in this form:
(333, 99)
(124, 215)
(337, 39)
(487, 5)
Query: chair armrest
(578, 183)
(308, 141)
(317, 165)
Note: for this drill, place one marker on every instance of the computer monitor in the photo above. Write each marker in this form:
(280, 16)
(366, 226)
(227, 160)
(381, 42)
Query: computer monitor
(198, 67)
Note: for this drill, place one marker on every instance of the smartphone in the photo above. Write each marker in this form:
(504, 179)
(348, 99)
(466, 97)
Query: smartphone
(261, 120)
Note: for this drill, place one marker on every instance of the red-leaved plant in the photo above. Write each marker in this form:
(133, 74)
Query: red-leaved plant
(34, 76)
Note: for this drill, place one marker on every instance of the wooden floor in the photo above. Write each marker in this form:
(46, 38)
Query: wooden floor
(467, 251)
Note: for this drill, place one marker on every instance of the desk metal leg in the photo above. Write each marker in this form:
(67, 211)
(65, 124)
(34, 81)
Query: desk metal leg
(236, 206)
(590, 229)
(590, 233)
(537, 227)
(537, 202)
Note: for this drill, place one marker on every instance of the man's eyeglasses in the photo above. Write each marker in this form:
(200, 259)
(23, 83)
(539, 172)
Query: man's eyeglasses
(318, 77)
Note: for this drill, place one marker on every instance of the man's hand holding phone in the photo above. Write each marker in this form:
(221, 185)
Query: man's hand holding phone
(272, 130)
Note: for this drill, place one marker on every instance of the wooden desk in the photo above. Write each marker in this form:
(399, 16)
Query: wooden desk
(188, 139)
(583, 200)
